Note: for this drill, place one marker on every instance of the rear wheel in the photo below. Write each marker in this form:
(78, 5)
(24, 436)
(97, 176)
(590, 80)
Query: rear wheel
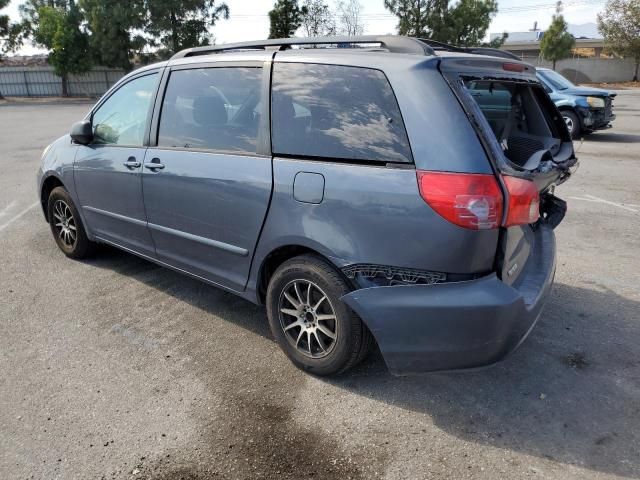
(66, 226)
(317, 331)
(573, 123)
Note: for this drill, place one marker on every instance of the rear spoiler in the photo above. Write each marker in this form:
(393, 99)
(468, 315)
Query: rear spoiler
(491, 66)
(490, 52)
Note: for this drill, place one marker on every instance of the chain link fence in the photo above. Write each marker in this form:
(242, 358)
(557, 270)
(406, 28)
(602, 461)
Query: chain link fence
(43, 82)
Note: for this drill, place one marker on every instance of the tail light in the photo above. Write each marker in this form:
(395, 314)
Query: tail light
(524, 202)
(468, 200)
(475, 201)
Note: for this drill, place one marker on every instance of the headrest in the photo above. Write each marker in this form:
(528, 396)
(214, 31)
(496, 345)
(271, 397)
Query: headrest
(283, 110)
(209, 111)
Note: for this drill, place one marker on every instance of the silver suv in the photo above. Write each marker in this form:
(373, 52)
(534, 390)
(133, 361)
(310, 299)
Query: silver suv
(391, 190)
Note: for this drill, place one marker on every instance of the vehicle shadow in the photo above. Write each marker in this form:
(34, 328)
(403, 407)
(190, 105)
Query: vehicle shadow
(570, 394)
(612, 137)
(207, 298)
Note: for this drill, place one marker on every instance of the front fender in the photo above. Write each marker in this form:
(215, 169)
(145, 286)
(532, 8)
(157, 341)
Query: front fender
(58, 163)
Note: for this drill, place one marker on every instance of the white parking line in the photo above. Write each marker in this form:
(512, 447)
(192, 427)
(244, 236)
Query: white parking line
(593, 198)
(6, 209)
(22, 213)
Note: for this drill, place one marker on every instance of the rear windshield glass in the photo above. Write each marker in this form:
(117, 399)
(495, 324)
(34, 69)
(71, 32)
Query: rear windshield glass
(520, 115)
(332, 111)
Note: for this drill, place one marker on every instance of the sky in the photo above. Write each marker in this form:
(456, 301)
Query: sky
(249, 18)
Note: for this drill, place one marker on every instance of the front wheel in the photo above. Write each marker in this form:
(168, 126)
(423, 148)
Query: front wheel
(317, 331)
(573, 123)
(66, 226)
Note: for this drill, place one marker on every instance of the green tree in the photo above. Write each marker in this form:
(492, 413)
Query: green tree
(285, 18)
(57, 26)
(496, 42)
(463, 23)
(6, 29)
(557, 42)
(619, 24)
(10, 32)
(466, 23)
(413, 15)
(179, 24)
(317, 19)
(4, 21)
(112, 24)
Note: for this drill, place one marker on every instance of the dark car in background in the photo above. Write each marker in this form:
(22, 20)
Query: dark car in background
(584, 109)
(398, 192)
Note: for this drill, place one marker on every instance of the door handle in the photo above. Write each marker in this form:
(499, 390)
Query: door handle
(131, 163)
(154, 165)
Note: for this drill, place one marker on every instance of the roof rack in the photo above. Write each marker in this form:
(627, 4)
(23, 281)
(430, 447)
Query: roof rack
(392, 43)
(492, 52)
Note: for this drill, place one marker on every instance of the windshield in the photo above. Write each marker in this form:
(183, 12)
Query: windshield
(555, 79)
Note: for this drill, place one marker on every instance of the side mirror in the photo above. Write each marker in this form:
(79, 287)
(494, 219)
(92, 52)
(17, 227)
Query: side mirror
(82, 132)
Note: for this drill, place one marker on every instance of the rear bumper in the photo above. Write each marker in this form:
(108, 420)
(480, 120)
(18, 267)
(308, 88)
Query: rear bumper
(447, 326)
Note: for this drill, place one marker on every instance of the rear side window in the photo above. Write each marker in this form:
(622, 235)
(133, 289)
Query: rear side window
(338, 112)
(212, 109)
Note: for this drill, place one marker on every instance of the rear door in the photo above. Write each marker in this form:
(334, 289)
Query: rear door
(207, 180)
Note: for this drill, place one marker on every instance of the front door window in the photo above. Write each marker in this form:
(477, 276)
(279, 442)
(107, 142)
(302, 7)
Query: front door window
(121, 119)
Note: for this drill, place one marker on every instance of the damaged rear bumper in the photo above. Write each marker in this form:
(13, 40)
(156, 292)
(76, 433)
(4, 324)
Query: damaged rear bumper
(446, 326)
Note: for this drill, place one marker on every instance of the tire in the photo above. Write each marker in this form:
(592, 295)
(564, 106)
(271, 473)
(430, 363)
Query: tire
(309, 344)
(573, 123)
(66, 225)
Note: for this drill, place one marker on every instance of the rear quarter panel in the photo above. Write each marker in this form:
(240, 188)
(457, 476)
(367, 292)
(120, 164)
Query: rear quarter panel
(369, 215)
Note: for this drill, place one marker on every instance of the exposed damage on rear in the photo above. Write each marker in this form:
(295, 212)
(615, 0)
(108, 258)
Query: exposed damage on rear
(466, 324)
(525, 138)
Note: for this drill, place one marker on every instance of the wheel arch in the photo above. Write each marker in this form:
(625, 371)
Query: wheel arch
(277, 257)
(49, 183)
(572, 109)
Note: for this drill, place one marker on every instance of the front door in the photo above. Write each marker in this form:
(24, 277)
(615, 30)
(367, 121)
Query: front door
(206, 187)
(107, 172)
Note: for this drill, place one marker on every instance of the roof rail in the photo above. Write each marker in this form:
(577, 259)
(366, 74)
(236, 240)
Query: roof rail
(392, 43)
(492, 52)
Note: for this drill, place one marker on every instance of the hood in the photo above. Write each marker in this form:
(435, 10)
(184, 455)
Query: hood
(587, 91)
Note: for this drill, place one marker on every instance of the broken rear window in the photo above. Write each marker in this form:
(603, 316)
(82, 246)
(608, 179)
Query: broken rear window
(521, 117)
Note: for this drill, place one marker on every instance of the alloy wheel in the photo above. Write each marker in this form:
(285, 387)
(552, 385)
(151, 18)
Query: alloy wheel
(308, 318)
(64, 223)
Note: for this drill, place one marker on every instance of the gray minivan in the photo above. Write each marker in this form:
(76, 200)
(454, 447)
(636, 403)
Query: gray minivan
(396, 192)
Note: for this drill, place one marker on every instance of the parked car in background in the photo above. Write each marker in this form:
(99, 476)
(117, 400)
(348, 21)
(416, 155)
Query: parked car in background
(584, 109)
(402, 193)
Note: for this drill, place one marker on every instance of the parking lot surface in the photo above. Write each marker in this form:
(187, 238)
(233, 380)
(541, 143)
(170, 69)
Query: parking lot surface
(117, 368)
